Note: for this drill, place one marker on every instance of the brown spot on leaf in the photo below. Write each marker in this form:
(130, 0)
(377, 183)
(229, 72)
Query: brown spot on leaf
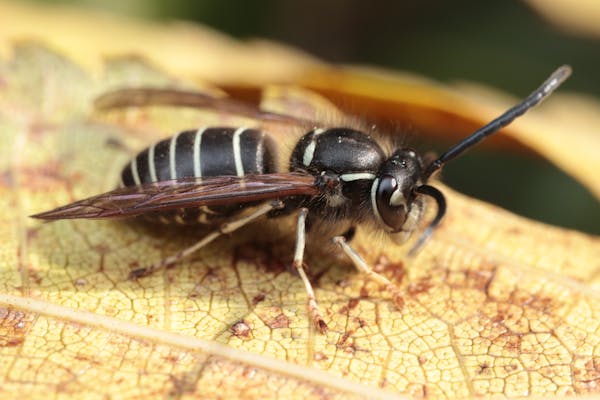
(511, 367)
(47, 176)
(353, 303)
(420, 287)
(509, 342)
(7, 179)
(249, 372)
(258, 298)
(587, 379)
(484, 368)
(34, 276)
(280, 321)
(80, 282)
(32, 233)
(344, 339)
(101, 248)
(38, 128)
(545, 304)
(14, 324)
(242, 330)
(479, 278)
(394, 270)
(319, 356)
(118, 144)
(360, 322)
(364, 293)
(172, 358)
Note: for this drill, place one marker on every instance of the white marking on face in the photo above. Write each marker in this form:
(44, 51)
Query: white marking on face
(197, 155)
(397, 199)
(172, 149)
(237, 152)
(134, 171)
(151, 166)
(357, 176)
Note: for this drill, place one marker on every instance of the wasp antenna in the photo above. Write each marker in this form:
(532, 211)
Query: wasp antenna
(441, 211)
(536, 97)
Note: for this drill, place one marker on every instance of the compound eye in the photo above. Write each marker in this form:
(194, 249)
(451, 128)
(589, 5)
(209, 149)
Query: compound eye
(389, 203)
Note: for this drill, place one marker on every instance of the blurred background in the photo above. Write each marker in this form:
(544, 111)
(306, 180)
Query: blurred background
(505, 44)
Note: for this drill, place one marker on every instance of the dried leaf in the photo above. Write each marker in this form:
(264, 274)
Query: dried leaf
(581, 17)
(495, 304)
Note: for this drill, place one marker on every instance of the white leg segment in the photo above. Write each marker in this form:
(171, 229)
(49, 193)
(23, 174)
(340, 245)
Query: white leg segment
(313, 307)
(363, 267)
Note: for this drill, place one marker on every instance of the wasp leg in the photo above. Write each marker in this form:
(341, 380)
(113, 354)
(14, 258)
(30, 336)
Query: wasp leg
(313, 307)
(225, 228)
(363, 267)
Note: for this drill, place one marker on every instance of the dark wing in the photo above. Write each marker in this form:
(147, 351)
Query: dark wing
(186, 193)
(175, 97)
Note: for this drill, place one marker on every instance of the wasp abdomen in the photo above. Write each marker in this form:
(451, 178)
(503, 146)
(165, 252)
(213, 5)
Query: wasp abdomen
(201, 153)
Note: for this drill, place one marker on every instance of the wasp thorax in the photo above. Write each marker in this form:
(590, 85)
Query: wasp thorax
(392, 193)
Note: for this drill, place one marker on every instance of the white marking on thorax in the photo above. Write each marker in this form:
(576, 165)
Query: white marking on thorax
(197, 159)
(151, 165)
(134, 171)
(309, 152)
(357, 176)
(237, 152)
(172, 148)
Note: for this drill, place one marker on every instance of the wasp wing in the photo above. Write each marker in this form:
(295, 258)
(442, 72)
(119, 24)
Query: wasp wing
(186, 193)
(138, 97)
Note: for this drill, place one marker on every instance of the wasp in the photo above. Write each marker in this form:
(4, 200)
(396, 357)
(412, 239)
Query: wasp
(226, 177)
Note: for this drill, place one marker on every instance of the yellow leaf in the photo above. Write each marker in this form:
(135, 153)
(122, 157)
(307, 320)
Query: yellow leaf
(581, 17)
(494, 304)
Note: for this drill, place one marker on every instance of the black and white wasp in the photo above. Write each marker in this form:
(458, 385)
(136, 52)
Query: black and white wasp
(227, 177)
